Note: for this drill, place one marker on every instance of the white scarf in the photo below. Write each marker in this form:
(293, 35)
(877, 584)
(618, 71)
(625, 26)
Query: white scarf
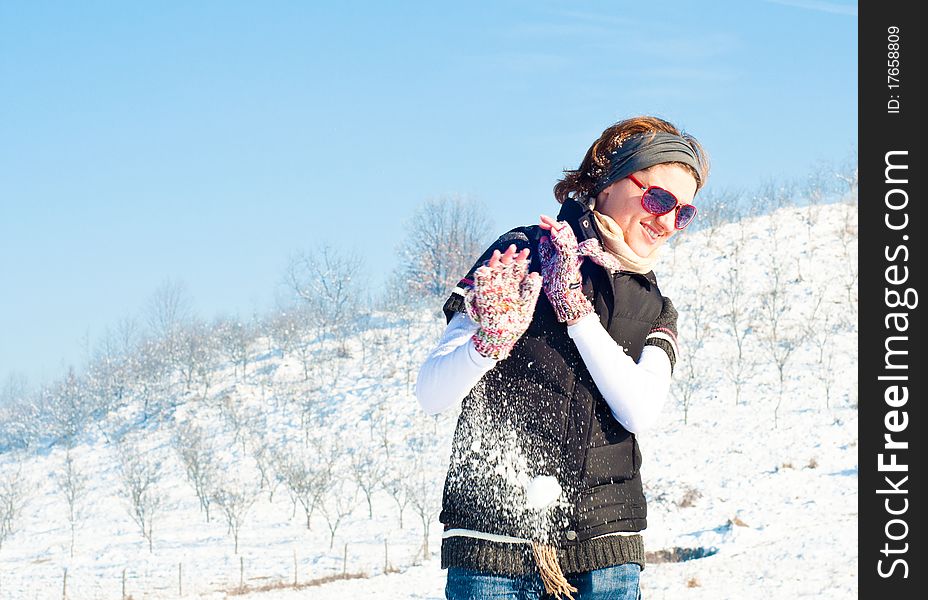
(614, 242)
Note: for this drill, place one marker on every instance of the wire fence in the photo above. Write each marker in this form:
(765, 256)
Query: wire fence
(188, 578)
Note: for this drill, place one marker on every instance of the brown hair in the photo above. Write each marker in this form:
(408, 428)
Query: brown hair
(579, 182)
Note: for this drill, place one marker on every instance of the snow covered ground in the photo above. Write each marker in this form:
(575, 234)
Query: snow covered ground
(765, 487)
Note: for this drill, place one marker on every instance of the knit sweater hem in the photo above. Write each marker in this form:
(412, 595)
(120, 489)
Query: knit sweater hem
(515, 560)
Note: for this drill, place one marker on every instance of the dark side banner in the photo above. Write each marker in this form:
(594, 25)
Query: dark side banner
(892, 172)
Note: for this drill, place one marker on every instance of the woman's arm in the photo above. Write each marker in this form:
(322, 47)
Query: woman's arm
(635, 392)
(499, 308)
(453, 368)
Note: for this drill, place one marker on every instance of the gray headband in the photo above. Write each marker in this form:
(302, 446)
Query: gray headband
(644, 150)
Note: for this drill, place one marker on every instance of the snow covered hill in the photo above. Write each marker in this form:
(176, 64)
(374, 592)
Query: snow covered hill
(314, 470)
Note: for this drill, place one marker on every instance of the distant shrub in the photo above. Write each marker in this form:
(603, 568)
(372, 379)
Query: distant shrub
(689, 498)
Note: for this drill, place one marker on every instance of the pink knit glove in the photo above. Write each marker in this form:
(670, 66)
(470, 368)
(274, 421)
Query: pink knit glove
(594, 250)
(502, 303)
(560, 270)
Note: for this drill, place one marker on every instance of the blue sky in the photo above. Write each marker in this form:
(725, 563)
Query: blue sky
(205, 142)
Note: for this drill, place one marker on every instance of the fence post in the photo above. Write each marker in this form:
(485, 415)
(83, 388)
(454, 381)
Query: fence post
(180, 580)
(123, 584)
(64, 585)
(241, 572)
(345, 561)
(296, 570)
(386, 557)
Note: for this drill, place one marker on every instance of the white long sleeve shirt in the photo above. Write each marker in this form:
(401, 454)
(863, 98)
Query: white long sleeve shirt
(635, 392)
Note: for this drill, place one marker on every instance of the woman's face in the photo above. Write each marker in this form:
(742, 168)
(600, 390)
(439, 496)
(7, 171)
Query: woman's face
(644, 232)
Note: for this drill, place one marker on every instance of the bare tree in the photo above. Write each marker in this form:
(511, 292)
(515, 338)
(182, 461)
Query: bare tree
(368, 470)
(338, 502)
(306, 477)
(445, 235)
(848, 235)
(716, 208)
(197, 354)
(736, 316)
(772, 195)
(236, 337)
(235, 499)
(72, 483)
(395, 485)
(338, 497)
(72, 407)
(105, 378)
(235, 413)
(18, 412)
(408, 341)
(328, 284)
(821, 331)
(291, 330)
(126, 335)
(780, 333)
(199, 459)
(12, 501)
(262, 452)
(847, 175)
(15, 388)
(140, 474)
(687, 383)
(151, 369)
(169, 307)
(815, 191)
(691, 372)
(424, 494)
(380, 428)
(311, 417)
(285, 329)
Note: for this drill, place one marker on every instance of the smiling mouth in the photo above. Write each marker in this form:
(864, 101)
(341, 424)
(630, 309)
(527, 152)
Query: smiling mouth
(651, 232)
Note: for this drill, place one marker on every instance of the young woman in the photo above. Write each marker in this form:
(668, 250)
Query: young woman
(543, 495)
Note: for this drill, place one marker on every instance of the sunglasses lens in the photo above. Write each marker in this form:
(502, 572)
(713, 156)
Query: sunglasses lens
(658, 201)
(685, 215)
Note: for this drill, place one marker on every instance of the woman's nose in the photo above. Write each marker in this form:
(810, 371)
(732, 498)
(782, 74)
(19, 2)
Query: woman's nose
(667, 221)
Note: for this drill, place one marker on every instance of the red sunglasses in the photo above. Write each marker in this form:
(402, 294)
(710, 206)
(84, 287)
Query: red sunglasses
(658, 201)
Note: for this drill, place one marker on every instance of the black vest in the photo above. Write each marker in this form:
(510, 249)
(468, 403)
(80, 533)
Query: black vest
(539, 412)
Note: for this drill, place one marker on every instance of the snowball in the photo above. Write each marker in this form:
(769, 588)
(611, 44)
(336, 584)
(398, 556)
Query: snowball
(541, 492)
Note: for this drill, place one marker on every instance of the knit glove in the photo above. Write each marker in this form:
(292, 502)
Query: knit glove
(663, 333)
(502, 303)
(560, 270)
(594, 250)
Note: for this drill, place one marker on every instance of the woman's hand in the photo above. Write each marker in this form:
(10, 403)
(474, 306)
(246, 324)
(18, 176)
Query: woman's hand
(502, 301)
(663, 332)
(560, 269)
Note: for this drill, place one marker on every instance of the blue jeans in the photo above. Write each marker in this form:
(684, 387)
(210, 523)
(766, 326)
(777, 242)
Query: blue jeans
(613, 583)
